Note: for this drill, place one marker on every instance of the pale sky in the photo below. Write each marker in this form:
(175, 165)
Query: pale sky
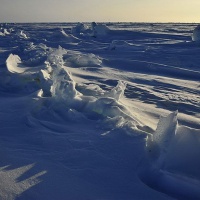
(100, 10)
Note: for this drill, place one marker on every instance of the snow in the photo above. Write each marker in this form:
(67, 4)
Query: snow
(99, 29)
(79, 59)
(171, 150)
(12, 64)
(158, 143)
(80, 28)
(196, 34)
(99, 111)
(122, 45)
(22, 35)
(92, 30)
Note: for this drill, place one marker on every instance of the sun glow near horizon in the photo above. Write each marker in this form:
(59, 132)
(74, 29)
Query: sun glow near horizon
(96, 10)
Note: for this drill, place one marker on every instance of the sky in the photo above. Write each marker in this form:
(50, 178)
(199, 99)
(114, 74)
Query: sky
(100, 10)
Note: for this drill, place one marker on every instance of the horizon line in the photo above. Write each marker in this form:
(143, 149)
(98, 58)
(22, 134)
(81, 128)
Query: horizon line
(23, 22)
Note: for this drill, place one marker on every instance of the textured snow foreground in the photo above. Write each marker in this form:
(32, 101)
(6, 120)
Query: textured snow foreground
(99, 111)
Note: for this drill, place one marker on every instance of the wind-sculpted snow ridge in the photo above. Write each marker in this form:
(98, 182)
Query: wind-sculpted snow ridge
(172, 159)
(60, 35)
(22, 35)
(21, 77)
(196, 34)
(63, 87)
(80, 29)
(99, 29)
(35, 55)
(158, 143)
(4, 32)
(79, 121)
(12, 64)
(57, 83)
(118, 91)
(24, 74)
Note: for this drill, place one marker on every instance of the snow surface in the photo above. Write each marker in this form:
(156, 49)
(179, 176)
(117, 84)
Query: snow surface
(196, 34)
(99, 111)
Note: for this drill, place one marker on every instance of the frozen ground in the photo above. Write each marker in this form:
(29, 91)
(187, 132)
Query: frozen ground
(99, 111)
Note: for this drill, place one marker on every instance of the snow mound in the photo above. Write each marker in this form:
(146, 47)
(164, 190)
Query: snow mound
(196, 34)
(187, 147)
(69, 37)
(118, 91)
(84, 60)
(63, 86)
(61, 35)
(57, 82)
(15, 65)
(99, 29)
(45, 83)
(118, 44)
(94, 30)
(21, 78)
(35, 55)
(176, 173)
(56, 56)
(12, 64)
(124, 45)
(80, 29)
(158, 143)
(22, 35)
(64, 33)
(4, 32)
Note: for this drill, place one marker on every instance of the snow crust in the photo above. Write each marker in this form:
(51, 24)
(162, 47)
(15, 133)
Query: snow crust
(99, 111)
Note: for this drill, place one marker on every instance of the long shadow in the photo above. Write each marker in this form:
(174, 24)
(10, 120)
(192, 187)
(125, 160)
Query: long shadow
(18, 175)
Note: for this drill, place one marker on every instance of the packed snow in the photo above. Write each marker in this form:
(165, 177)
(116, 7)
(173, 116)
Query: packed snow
(196, 34)
(99, 111)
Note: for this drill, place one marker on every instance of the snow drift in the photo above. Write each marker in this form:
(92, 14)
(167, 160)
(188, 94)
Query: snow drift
(196, 34)
(122, 45)
(81, 121)
(99, 29)
(12, 64)
(173, 173)
(57, 82)
(78, 59)
(93, 30)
